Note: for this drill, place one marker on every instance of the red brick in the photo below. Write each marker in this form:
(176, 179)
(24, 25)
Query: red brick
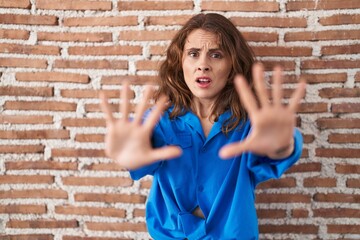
(28, 19)
(74, 37)
(319, 182)
(25, 179)
(345, 107)
(88, 93)
(41, 165)
(8, 149)
(124, 226)
(332, 123)
(90, 138)
(28, 236)
(325, 78)
(101, 21)
(71, 152)
(271, 213)
(260, 37)
(278, 183)
(322, 5)
(347, 169)
(52, 77)
(305, 167)
(338, 152)
(282, 51)
(92, 238)
(344, 49)
(166, 20)
(157, 50)
(339, 92)
(313, 108)
(35, 134)
(281, 198)
(40, 106)
(93, 64)
(278, 22)
(329, 64)
(148, 65)
(26, 91)
(322, 35)
(90, 211)
(284, 228)
(357, 77)
(83, 122)
(155, 5)
(258, 6)
(340, 19)
(29, 49)
(106, 50)
(37, 193)
(14, 34)
(300, 213)
(139, 212)
(74, 5)
(25, 119)
(15, 4)
(133, 79)
(343, 138)
(286, 65)
(109, 198)
(42, 223)
(113, 108)
(23, 63)
(104, 167)
(353, 183)
(308, 138)
(343, 229)
(336, 213)
(337, 197)
(97, 181)
(23, 209)
(145, 184)
(146, 35)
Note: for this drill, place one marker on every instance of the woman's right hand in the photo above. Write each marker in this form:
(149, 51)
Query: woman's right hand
(129, 142)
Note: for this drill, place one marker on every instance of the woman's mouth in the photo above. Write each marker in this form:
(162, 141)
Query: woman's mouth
(203, 82)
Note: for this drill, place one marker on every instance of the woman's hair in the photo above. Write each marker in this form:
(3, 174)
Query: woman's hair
(172, 82)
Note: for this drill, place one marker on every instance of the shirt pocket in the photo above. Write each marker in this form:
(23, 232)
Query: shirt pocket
(182, 140)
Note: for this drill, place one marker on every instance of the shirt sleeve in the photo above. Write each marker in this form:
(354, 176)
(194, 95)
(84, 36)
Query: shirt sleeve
(264, 168)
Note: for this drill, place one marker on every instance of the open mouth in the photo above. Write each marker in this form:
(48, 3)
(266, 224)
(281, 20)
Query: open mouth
(203, 81)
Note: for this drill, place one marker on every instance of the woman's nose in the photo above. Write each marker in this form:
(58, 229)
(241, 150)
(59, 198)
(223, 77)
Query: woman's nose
(203, 64)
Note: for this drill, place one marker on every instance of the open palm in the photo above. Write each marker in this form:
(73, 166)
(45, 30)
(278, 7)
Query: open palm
(272, 122)
(128, 142)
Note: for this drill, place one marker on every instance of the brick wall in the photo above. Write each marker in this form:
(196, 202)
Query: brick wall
(55, 55)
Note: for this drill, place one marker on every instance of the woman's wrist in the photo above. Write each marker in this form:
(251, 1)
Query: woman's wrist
(283, 152)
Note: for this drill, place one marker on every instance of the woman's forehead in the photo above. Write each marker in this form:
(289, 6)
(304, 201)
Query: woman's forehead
(200, 38)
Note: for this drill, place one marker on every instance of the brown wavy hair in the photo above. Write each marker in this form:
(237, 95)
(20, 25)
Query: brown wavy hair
(172, 82)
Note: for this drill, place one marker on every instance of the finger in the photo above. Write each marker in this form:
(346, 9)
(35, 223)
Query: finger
(104, 105)
(234, 149)
(125, 105)
(165, 153)
(277, 92)
(297, 96)
(143, 105)
(258, 76)
(246, 95)
(156, 113)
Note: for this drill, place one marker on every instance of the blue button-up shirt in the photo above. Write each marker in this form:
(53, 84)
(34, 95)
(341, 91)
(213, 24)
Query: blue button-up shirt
(223, 189)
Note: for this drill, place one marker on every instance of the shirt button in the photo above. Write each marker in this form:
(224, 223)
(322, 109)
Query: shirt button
(203, 149)
(201, 188)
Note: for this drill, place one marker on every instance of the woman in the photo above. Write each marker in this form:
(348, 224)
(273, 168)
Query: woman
(195, 193)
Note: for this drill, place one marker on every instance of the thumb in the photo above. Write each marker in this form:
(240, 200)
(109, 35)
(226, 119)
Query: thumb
(165, 153)
(233, 149)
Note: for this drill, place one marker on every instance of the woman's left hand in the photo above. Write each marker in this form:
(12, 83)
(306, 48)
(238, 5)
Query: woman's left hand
(272, 122)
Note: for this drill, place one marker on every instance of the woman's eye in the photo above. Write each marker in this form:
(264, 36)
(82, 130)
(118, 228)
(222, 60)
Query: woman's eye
(193, 54)
(216, 55)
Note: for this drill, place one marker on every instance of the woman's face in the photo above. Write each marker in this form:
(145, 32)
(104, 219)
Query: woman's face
(205, 66)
